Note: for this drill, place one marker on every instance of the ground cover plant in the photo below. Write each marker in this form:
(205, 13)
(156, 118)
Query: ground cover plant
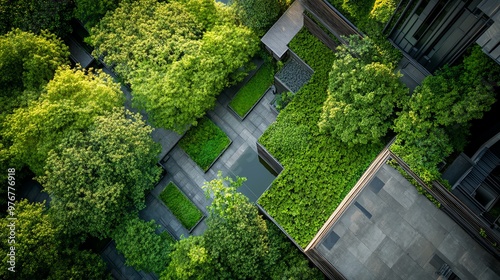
(319, 169)
(251, 92)
(187, 213)
(204, 143)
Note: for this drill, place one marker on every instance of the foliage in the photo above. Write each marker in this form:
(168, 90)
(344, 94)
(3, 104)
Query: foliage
(251, 92)
(90, 12)
(37, 15)
(177, 56)
(142, 247)
(204, 143)
(183, 93)
(38, 249)
(233, 219)
(238, 243)
(283, 99)
(182, 208)
(319, 169)
(27, 63)
(69, 103)
(256, 14)
(189, 260)
(382, 10)
(361, 100)
(435, 121)
(96, 177)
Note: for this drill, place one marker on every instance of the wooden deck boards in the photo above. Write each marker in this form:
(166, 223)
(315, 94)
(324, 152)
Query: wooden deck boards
(282, 32)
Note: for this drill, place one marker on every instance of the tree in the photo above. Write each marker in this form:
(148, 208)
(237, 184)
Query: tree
(435, 121)
(177, 97)
(145, 31)
(361, 100)
(97, 177)
(142, 247)
(382, 10)
(189, 260)
(90, 12)
(69, 103)
(256, 14)
(39, 253)
(37, 15)
(237, 222)
(27, 63)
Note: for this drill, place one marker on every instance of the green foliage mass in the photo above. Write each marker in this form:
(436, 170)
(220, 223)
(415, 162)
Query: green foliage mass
(27, 63)
(382, 10)
(142, 247)
(361, 100)
(319, 169)
(238, 243)
(256, 14)
(98, 176)
(177, 56)
(39, 252)
(37, 15)
(204, 143)
(182, 208)
(435, 121)
(251, 92)
(69, 103)
(90, 12)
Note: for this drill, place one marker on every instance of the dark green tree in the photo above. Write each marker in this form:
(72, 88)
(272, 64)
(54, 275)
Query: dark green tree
(39, 253)
(142, 247)
(97, 177)
(37, 15)
(90, 12)
(257, 14)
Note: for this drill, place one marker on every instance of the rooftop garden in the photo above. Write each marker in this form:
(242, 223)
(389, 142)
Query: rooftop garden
(319, 169)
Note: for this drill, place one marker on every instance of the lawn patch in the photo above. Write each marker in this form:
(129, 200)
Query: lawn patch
(187, 213)
(204, 143)
(252, 91)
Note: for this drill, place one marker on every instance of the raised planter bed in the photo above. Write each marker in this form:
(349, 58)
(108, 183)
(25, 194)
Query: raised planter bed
(205, 143)
(181, 206)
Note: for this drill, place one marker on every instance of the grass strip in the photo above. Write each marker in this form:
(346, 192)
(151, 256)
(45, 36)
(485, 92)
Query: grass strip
(187, 213)
(251, 92)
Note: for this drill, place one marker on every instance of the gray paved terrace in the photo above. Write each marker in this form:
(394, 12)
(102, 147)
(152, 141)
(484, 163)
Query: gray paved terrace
(392, 232)
(282, 32)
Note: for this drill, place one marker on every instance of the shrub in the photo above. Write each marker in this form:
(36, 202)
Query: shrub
(204, 143)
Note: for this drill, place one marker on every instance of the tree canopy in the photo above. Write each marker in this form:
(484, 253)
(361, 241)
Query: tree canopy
(363, 93)
(90, 12)
(37, 15)
(39, 252)
(98, 176)
(256, 14)
(237, 244)
(27, 63)
(69, 103)
(142, 247)
(177, 56)
(435, 121)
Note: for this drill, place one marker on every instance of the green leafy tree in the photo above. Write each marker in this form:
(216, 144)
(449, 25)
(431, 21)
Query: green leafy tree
(145, 31)
(27, 63)
(177, 97)
(96, 177)
(142, 247)
(361, 100)
(37, 15)
(382, 10)
(69, 103)
(189, 260)
(235, 220)
(435, 121)
(90, 12)
(39, 253)
(257, 14)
